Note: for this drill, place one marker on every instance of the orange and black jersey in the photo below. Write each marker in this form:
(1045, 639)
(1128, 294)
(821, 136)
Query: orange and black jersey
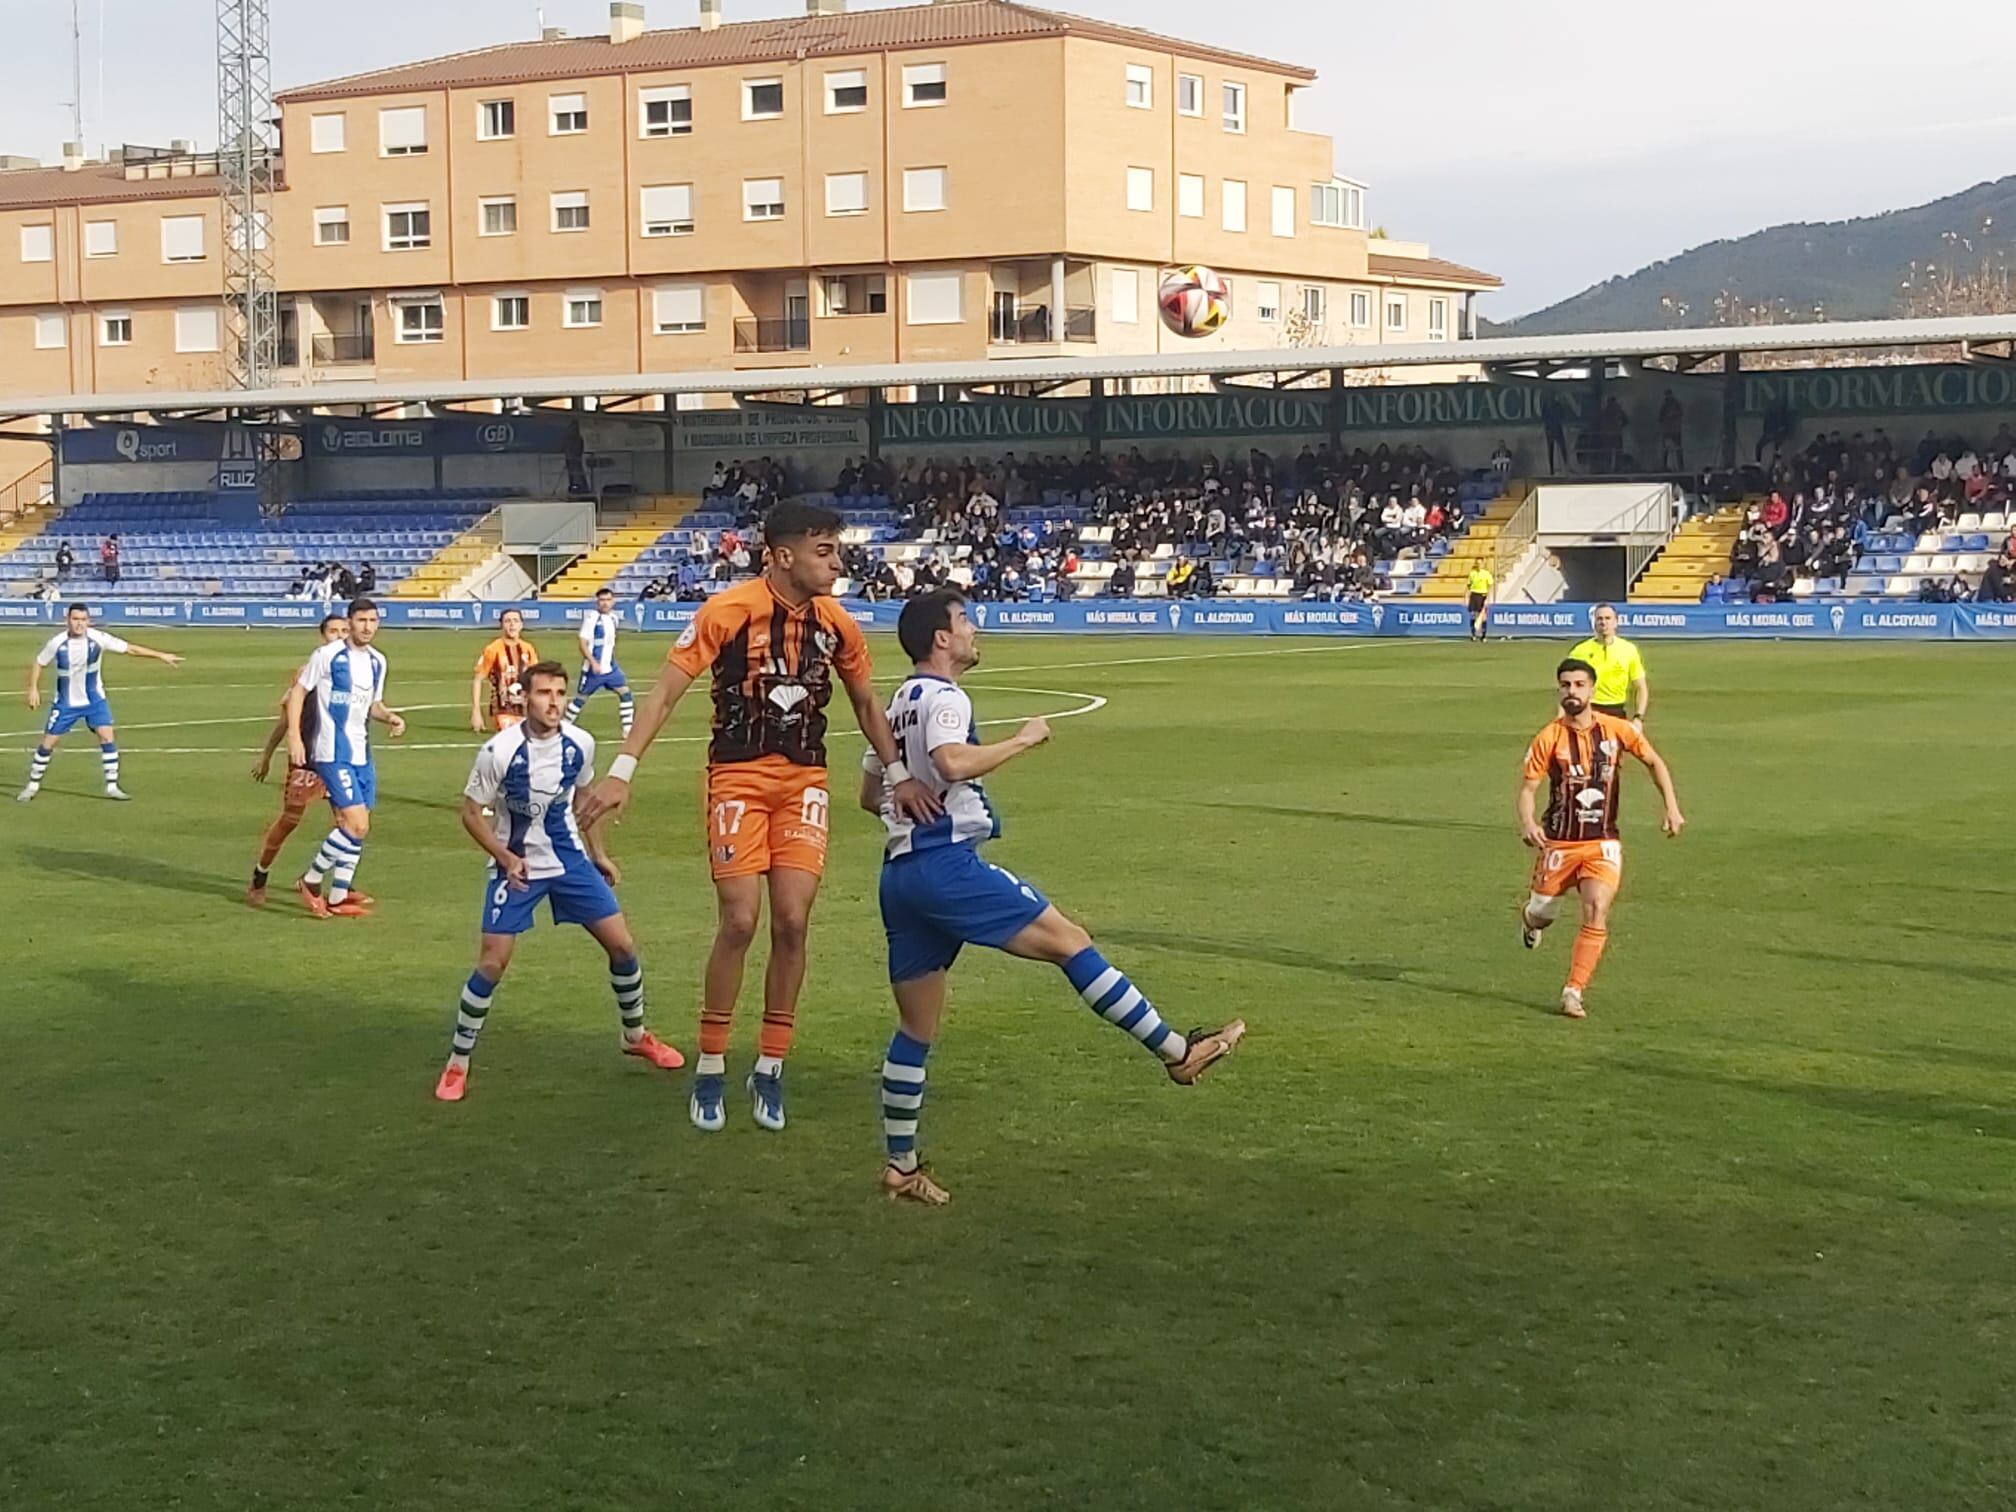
(504, 663)
(773, 668)
(1583, 772)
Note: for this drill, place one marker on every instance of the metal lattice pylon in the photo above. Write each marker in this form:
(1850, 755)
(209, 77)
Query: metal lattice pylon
(247, 154)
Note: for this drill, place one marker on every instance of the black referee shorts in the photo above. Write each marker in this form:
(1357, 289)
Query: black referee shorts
(1617, 709)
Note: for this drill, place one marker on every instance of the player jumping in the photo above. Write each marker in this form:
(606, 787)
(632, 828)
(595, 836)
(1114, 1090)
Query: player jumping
(1579, 848)
(598, 662)
(500, 672)
(938, 894)
(521, 807)
(774, 645)
(347, 681)
(78, 652)
(302, 787)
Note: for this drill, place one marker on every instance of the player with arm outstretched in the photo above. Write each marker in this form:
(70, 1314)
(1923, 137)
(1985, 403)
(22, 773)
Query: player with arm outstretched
(599, 670)
(302, 787)
(78, 652)
(522, 807)
(1579, 757)
(938, 894)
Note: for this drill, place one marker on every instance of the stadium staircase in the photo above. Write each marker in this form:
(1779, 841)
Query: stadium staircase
(440, 576)
(618, 546)
(1698, 551)
(1498, 538)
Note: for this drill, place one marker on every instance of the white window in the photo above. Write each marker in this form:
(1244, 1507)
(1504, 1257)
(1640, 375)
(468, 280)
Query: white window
(923, 84)
(1126, 301)
(101, 238)
(196, 330)
(332, 226)
(583, 309)
(1140, 86)
(847, 193)
(325, 132)
(1235, 107)
(762, 199)
(1361, 310)
(1190, 195)
(496, 120)
(1232, 205)
(678, 309)
(1284, 211)
(497, 216)
(408, 227)
(402, 131)
(38, 244)
(762, 99)
(1267, 302)
(846, 92)
(935, 298)
(1438, 320)
(1315, 307)
(667, 210)
(1190, 94)
(924, 189)
(1140, 188)
(566, 114)
(419, 320)
(570, 210)
(666, 111)
(181, 238)
(511, 312)
(115, 328)
(1337, 204)
(52, 330)
(1396, 312)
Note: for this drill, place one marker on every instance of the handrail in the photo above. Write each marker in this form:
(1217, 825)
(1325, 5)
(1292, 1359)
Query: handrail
(27, 491)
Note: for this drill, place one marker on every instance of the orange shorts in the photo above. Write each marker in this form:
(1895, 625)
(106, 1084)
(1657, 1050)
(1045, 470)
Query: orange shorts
(765, 814)
(1570, 863)
(303, 788)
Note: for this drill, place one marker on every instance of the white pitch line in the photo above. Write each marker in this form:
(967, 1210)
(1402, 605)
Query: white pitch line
(1143, 661)
(190, 724)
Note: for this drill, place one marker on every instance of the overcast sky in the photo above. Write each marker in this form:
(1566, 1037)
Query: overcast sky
(1555, 142)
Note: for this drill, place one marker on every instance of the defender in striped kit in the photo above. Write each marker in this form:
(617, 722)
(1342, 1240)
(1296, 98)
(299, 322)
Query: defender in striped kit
(939, 895)
(520, 808)
(599, 671)
(78, 654)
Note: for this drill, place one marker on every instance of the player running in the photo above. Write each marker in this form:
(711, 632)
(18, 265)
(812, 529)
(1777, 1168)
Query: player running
(302, 787)
(774, 645)
(938, 894)
(78, 654)
(1578, 843)
(521, 807)
(346, 679)
(1620, 669)
(501, 670)
(598, 662)
(1478, 588)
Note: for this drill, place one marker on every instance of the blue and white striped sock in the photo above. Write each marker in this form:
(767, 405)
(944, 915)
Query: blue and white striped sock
(337, 847)
(108, 760)
(574, 706)
(903, 1098)
(626, 708)
(469, 1015)
(349, 851)
(38, 764)
(626, 980)
(1108, 993)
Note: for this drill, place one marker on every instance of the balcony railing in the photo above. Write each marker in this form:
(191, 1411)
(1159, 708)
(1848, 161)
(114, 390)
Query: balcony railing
(773, 335)
(1009, 327)
(354, 347)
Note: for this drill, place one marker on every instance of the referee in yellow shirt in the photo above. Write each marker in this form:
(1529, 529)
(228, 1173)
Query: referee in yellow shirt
(1479, 588)
(1620, 670)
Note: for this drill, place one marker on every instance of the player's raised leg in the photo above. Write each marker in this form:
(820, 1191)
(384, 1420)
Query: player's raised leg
(738, 909)
(626, 981)
(920, 1004)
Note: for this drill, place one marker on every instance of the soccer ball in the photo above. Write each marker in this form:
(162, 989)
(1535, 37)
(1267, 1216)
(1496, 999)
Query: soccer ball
(1194, 300)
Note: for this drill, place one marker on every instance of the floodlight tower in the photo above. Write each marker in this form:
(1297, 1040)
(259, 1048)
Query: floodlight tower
(247, 155)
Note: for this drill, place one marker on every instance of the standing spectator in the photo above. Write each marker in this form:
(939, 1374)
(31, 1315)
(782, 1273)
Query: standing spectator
(65, 560)
(1501, 461)
(108, 558)
(574, 452)
(1672, 433)
(1554, 421)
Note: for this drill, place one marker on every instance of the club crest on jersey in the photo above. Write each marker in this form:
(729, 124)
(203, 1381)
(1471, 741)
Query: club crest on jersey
(1609, 748)
(826, 641)
(787, 696)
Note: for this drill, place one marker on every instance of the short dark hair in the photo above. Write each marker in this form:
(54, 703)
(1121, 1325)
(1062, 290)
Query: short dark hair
(362, 606)
(514, 609)
(329, 619)
(80, 604)
(922, 618)
(1596, 609)
(794, 520)
(545, 669)
(605, 588)
(1574, 664)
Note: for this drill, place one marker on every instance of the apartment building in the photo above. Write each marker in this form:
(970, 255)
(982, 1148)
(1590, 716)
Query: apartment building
(958, 180)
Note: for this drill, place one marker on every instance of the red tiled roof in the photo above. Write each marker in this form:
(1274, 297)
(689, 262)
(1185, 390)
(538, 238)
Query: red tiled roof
(95, 184)
(901, 27)
(1385, 265)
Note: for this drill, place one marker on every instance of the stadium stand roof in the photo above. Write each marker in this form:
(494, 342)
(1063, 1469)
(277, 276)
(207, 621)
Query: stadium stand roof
(762, 41)
(1968, 332)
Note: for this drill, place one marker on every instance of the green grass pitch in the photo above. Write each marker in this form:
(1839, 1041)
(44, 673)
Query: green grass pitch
(1742, 1239)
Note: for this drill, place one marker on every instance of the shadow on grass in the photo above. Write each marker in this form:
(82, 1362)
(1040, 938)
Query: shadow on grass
(1964, 970)
(402, 800)
(1345, 816)
(148, 871)
(1886, 1104)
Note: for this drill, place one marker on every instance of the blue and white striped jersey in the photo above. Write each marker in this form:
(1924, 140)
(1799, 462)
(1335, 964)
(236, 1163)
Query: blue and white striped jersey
(925, 713)
(529, 785)
(344, 680)
(598, 641)
(80, 679)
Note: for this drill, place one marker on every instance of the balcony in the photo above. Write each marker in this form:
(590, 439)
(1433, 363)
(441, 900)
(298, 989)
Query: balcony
(791, 335)
(1006, 327)
(348, 347)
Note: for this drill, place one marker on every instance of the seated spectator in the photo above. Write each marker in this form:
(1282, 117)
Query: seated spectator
(1181, 577)
(1501, 461)
(1998, 582)
(1714, 590)
(367, 579)
(1121, 584)
(1931, 591)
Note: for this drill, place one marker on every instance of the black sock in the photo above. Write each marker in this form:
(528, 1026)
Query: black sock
(259, 875)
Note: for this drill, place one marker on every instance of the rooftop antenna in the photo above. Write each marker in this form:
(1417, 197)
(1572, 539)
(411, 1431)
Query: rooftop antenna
(77, 73)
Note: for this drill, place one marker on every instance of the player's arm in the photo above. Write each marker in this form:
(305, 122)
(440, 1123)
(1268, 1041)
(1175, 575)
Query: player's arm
(613, 791)
(961, 763)
(40, 660)
(1641, 689)
(273, 738)
(597, 847)
(391, 718)
(297, 694)
(1662, 779)
(479, 830)
(170, 658)
(483, 667)
(1530, 832)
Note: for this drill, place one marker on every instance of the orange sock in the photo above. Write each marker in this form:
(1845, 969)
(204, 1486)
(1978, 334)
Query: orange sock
(775, 1036)
(714, 1034)
(1589, 942)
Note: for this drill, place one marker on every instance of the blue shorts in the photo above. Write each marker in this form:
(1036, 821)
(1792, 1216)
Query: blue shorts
(63, 718)
(579, 895)
(612, 681)
(349, 786)
(937, 900)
